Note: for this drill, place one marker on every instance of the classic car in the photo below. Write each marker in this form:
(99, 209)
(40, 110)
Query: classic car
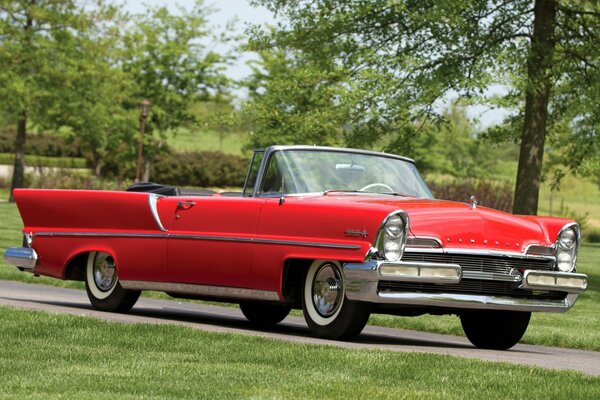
(339, 233)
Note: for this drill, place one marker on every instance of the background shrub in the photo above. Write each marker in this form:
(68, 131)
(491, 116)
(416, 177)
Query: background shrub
(41, 144)
(592, 235)
(493, 194)
(45, 178)
(203, 169)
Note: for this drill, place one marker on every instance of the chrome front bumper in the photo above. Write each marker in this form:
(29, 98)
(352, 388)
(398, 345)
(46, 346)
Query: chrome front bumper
(362, 282)
(22, 257)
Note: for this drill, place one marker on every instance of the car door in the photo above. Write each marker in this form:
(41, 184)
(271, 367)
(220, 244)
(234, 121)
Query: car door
(210, 239)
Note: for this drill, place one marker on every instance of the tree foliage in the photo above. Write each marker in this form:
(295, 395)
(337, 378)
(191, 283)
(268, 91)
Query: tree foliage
(294, 101)
(165, 55)
(403, 56)
(86, 65)
(43, 48)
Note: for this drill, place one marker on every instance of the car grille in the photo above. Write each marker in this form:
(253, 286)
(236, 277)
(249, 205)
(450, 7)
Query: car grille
(488, 264)
(476, 263)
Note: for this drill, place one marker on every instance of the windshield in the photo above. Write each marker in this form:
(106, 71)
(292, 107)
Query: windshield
(312, 171)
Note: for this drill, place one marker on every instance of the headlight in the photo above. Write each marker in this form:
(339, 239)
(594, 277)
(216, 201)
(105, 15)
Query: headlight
(392, 250)
(564, 262)
(392, 236)
(567, 245)
(394, 227)
(567, 239)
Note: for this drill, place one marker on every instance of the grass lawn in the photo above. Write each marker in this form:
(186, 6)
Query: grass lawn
(578, 328)
(49, 356)
(206, 140)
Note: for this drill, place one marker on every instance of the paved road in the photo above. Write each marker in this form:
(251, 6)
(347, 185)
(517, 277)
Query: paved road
(292, 329)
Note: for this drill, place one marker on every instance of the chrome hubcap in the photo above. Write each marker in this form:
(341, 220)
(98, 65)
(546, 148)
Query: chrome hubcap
(328, 290)
(105, 275)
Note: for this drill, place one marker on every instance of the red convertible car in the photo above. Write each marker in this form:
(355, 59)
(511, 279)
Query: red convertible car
(338, 233)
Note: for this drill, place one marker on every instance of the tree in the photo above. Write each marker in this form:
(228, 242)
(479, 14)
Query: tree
(406, 55)
(452, 148)
(39, 57)
(292, 100)
(167, 58)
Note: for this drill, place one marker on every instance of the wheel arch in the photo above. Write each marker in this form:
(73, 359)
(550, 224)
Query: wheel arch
(76, 264)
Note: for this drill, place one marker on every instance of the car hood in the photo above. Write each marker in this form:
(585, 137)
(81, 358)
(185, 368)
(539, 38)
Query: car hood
(459, 225)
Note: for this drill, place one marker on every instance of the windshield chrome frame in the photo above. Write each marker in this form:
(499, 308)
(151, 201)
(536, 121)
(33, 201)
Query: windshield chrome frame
(270, 151)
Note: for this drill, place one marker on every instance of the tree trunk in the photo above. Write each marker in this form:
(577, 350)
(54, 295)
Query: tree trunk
(18, 178)
(540, 81)
(97, 164)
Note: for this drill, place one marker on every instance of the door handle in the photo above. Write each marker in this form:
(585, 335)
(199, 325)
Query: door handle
(185, 205)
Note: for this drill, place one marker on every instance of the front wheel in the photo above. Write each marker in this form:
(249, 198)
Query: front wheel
(496, 330)
(327, 311)
(103, 287)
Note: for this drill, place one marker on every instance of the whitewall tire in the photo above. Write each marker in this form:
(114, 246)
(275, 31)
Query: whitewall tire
(327, 311)
(103, 287)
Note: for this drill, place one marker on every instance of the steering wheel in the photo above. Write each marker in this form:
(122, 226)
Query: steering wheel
(372, 185)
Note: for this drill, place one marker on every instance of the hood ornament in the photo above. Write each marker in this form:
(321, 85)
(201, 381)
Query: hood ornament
(474, 202)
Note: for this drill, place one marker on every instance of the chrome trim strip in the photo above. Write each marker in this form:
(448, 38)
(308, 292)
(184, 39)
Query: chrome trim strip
(488, 276)
(202, 237)
(308, 244)
(203, 290)
(434, 243)
(478, 252)
(463, 301)
(531, 250)
(265, 241)
(22, 257)
(152, 200)
(102, 234)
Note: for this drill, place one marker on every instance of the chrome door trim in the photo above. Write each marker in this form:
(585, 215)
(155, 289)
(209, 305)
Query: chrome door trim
(202, 237)
(152, 200)
(203, 290)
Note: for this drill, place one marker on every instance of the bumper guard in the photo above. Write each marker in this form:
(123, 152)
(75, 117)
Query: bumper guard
(22, 257)
(362, 281)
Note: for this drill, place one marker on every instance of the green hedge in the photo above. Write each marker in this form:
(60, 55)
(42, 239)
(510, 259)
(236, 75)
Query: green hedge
(203, 169)
(41, 144)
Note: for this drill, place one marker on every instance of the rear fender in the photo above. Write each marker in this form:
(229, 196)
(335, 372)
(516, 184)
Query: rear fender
(74, 268)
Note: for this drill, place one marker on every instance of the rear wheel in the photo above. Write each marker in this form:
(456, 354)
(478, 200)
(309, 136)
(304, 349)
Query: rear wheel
(496, 330)
(264, 313)
(327, 311)
(103, 287)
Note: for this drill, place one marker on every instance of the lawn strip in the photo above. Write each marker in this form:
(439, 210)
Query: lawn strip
(49, 355)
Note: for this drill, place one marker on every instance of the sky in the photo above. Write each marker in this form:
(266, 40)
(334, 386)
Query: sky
(245, 14)
(225, 11)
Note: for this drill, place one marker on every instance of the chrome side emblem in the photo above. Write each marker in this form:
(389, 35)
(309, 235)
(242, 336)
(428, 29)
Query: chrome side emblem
(356, 233)
(474, 201)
